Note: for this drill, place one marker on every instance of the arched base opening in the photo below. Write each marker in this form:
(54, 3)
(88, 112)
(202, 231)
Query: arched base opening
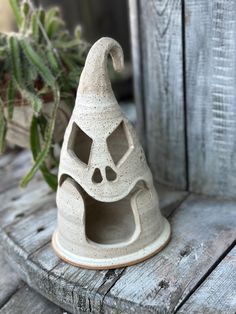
(108, 222)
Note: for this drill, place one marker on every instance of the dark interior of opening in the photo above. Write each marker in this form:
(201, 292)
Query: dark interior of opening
(108, 222)
(117, 143)
(110, 174)
(79, 144)
(97, 176)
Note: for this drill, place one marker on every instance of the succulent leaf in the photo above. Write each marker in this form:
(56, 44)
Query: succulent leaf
(35, 59)
(3, 126)
(10, 99)
(47, 144)
(15, 5)
(34, 26)
(41, 60)
(53, 26)
(35, 145)
(14, 49)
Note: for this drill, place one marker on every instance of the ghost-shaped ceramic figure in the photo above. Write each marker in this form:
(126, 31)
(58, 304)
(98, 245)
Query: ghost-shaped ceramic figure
(108, 211)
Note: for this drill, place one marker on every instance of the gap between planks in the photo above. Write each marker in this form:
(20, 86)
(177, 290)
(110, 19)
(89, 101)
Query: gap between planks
(101, 289)
(109, 277)
(208, 273)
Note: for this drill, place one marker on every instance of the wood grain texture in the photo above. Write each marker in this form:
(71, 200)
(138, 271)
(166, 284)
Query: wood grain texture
(25, 234)
(31, 254)
(9, 280)
(169, 198)
(217, 295)
(162, 77)
(13, 166)
(134, 19)
(25, 300)
(202, 229)
(211, 95)
(15, 297)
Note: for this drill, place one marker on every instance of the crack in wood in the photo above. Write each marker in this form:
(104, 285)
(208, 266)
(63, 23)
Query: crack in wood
(8, 298)
(209, 271)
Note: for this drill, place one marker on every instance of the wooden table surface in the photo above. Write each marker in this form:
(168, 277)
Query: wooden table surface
(195, 273)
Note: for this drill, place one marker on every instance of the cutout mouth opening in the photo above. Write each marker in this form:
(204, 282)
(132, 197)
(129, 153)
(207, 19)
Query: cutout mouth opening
(108, 222)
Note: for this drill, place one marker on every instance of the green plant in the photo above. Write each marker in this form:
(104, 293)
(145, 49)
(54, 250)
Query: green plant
(40, 61)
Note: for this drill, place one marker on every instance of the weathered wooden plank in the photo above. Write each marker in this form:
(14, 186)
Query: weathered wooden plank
(34, 230)
(12, 196)
(15, 297)
(211, 95)
(162, 77)
(12, 168)
(6, 159)
(85, 289)
(159, 284)
(217, 294)
(17, 203)
(169, 198)
(27, 234)
(15, 160)
(27, 301)
(137, 67)
(202, 229)
(9, 280)
(28, 248)
(72, 288)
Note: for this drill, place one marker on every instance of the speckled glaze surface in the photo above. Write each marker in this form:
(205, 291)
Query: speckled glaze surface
(108, 211)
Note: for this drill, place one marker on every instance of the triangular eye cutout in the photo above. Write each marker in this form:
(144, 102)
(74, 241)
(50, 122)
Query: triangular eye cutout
(79, 144)
(117, 143)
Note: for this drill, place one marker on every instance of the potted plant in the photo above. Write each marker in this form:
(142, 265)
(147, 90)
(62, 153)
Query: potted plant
(40, 67)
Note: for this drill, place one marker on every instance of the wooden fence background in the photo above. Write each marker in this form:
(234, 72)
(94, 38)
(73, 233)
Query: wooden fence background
(184, 55)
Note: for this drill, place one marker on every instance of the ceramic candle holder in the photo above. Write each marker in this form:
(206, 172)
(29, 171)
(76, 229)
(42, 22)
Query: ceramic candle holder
(108, 212)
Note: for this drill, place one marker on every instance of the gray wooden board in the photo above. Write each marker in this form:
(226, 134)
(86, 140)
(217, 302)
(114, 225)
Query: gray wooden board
(25, 300)
(26, 230)
(35, 196)
(70, 287)
(12, 170)
(137, 67)
(9, 280)
(162, 79)
(203, 229)
(211, 95)
(217, 294)
(15, 297)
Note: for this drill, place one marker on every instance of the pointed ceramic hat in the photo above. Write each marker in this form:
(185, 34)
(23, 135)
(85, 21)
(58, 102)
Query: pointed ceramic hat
(108, 211)
(95, 85)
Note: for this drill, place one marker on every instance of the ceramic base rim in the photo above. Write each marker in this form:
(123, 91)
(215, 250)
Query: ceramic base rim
(115, 262)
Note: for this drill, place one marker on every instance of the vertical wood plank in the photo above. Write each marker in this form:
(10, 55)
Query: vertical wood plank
(211, 95)
(137, 67)
(162, 54)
